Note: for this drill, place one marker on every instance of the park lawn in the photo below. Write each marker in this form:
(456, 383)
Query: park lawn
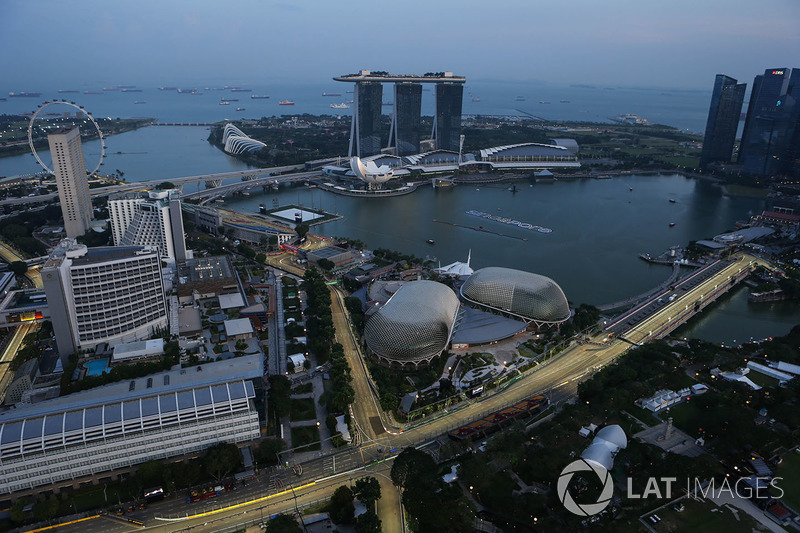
(302, 409)
(683, 161)
(305, 439)
(789, 470)
(698, 516)
(643, 414)
(762, 380)
(305, 388)
(743, 190)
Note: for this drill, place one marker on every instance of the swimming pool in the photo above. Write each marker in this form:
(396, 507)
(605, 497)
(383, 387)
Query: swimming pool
(96, 367)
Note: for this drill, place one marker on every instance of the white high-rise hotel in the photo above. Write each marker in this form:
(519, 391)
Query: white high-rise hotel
(73, 187)
(106, 294)
(152, 221)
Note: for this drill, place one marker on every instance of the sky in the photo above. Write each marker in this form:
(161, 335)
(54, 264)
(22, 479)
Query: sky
(639, 43)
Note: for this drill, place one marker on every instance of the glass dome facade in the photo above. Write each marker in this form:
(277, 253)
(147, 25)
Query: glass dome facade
(415, 325)
(524, 294)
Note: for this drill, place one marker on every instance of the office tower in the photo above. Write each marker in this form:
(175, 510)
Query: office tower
(73, 187)
(723, 120)
(448, 116)
(105, 294)
(407, 108)
(366, 119)
(771, 127)
(152, 221)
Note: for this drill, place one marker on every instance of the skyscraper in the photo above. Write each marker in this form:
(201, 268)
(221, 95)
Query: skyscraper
(106, 294)
(448, 115)
(73, 187)
(407, 107)
(723, 120)
(366, 120)
(152, 221)
(771, 126)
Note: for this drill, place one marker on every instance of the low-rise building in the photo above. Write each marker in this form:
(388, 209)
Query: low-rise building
(123, 424)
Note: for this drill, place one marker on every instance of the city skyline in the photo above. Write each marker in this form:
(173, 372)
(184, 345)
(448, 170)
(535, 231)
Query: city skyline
(620, 43)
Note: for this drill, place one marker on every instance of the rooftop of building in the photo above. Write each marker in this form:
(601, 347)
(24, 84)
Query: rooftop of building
(380, 76)
(230, 301)
(170, 381)
(82, 255)
(238, 326)
(205, 268)
(328, 252)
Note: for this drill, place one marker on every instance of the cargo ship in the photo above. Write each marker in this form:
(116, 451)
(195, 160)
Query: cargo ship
(224, 102)
(24, 95)
(92, 92)
(110, 89)
(331, 94)
(239, 109)
(258, 97)
(340, 106)
(167, 88)
(131, 90)
(66, 91)
(239, 90)
(286, 102)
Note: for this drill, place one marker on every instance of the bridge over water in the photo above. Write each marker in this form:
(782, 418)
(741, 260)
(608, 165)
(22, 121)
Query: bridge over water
(667, 310)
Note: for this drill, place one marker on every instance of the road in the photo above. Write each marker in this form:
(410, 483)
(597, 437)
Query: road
(34, 277)
(141, 185)
(250, 505)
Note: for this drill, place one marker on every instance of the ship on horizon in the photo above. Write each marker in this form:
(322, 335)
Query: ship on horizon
(240, 90)
(331, 94)
(24, 95)
(65, 91)
(341, 105)
(259, 97)
(167, 88)
(286, 102)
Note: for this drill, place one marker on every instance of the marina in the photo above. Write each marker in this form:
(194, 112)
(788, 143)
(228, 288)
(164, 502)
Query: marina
(510, 222)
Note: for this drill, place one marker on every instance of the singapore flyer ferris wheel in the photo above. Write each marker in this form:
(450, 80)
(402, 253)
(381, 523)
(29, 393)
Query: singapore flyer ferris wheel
(88, 116)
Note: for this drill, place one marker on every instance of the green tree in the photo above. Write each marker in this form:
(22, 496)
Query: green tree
(221, 460)
(46, 509)
(368, 490)
(368, 522)
(150, 473)
(19, 268)
(268, 450)
(283, 523)
(412, 466)
(326, 264)
(301, 230)
(279, 392)
(261, 258)
(17, 512)
(341, 507)
(164, 185)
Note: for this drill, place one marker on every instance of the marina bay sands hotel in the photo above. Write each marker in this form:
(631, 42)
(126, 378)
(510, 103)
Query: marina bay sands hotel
(404, 134)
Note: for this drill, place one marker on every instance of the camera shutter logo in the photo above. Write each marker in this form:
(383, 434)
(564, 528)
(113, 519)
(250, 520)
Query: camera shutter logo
(584, 509)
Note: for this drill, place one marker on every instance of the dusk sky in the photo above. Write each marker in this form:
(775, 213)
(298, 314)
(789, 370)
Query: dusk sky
(669, 43)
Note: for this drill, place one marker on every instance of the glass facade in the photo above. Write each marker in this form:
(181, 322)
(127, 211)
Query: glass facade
(407, 107)
(415, 325)
(771, 128)
(370, 96)
(449, 97)
(723, 120)
(524, 294)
